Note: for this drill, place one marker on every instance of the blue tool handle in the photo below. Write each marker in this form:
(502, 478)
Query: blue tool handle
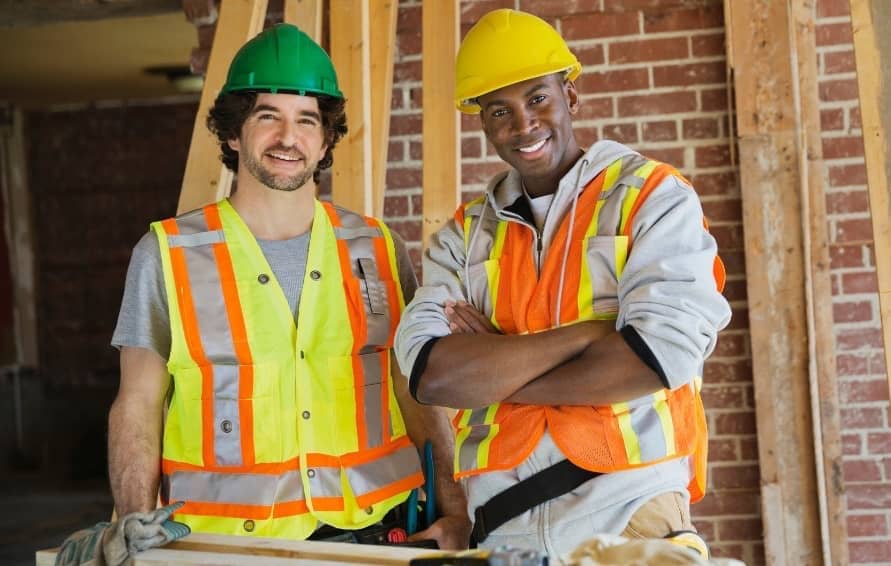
(411, 521)
(429, 485)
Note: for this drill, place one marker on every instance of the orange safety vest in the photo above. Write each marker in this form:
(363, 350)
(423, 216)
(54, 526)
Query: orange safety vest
(665, 425)
(271, 426)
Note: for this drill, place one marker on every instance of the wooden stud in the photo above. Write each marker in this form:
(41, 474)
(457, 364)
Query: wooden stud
(440, 29)
(350, 52)
(777, 195)
(20, 236)
(383, 39)
(872, 51)
(307, 15)
(206, 180)
(822, 373)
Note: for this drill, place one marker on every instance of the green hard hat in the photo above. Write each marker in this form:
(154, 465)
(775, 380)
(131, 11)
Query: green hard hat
(282, 58)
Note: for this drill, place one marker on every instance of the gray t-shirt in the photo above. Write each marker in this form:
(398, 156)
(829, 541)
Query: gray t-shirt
(144, 320)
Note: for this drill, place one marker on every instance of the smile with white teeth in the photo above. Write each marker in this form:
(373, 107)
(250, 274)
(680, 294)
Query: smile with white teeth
(534, 147)
(283, 157)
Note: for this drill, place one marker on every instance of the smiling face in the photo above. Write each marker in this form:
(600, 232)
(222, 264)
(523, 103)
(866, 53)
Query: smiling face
(281, 141)
(530, 125)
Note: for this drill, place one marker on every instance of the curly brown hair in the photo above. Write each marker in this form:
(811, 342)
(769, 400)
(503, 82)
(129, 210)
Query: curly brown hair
(230, 110)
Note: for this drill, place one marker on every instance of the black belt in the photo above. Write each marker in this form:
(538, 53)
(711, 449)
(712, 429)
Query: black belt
(550, 483)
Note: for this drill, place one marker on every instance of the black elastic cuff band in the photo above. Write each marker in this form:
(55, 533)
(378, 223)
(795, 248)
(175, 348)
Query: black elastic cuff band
(418, 369)
(639, 347)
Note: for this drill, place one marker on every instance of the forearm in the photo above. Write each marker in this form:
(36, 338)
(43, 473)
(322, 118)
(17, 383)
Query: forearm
(134, 456)
(607, 372)
(475, 370)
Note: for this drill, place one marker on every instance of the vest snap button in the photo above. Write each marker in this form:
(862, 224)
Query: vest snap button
(249, 526)
(369, 510)
(311, 473)
(302, 355)
(306, 415)
(226, 426)
(315, 275)
(263, 278)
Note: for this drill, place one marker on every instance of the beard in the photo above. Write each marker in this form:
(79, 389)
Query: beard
(279, 182)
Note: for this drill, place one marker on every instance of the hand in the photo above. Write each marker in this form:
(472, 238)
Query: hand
(451, 532)
(465, 319)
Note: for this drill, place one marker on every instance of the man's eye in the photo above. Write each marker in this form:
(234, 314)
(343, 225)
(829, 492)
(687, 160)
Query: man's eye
(308, 122)
(266, 117)
(537, 99)
(499, 113)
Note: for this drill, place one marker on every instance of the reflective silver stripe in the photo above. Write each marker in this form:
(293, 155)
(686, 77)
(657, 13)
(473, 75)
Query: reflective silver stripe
(227, 445)
(610, 216)
(467, 458)
(650, 437)
(601, 264)
(197, 239)
(239, 489)
(324, 482)
(372, 399)
(381, 472)
(216, 338)
(477, 416)
(364, 231)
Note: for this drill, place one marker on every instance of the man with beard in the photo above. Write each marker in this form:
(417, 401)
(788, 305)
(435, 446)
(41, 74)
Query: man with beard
(567, 313)
(263, 324)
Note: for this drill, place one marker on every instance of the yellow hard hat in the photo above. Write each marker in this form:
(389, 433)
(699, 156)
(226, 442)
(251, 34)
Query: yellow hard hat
(506, 47)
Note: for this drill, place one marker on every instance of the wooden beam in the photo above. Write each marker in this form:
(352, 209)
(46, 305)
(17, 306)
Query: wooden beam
(20, 13)
(383, 39)
(206, 180)
(440, 29)
(350, 52)
(871, 20)
(307, 15)
(18, 224)
(763, 50)
(823, 378)
(200, 548)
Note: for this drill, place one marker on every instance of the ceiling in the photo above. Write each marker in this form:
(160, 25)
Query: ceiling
(45, 63)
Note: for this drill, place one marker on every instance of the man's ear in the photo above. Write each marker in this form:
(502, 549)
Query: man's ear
(572, 96)
(234, 145)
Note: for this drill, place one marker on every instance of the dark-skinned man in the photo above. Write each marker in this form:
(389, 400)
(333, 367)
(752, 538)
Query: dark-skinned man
(567, 314)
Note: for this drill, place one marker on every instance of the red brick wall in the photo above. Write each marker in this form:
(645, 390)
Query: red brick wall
(98, 176)
(863, 388)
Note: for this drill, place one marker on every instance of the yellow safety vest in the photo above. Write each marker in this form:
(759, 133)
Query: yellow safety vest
(667, 424)
(273, 426)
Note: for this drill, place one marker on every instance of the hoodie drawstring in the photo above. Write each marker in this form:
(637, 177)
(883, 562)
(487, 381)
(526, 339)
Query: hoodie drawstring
(568, 241)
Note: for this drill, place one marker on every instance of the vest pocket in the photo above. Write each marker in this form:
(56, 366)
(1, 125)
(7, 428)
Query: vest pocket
(605, 258)
(360, 399)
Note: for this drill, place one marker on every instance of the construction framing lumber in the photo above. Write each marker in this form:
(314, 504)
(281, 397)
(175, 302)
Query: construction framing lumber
(206, 180)
(204, 549)
(383, 39)
(19, 228)
(441, 176)
(351, 54)
(772, 54)
(871, 21)
(307, 15)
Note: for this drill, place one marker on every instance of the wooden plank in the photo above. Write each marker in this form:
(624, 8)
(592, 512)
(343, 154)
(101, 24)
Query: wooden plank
(818, 291)
(383, 39)
(200, 548)
(42, 12)
(871, 20)
(307, 15)
(206, 180)
(440, 29)
(18, 224)
(350, 52)
(763, 51)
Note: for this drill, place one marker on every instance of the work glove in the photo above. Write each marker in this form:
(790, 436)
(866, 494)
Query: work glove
(111, 544)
